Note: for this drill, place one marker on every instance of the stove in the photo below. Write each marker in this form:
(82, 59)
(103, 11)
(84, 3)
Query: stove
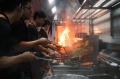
(109, 60)
(110, 57)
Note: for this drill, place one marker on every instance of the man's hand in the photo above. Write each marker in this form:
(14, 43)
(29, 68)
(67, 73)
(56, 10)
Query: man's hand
(43, 41)
(7, 61)
(53, 47)
(28, 56)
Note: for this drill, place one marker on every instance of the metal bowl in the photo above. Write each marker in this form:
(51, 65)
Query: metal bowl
(66, 76)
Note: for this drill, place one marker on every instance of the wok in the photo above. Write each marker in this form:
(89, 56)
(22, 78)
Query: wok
(66, 76)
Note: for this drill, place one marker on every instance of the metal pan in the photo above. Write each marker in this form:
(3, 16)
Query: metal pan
(66, 76)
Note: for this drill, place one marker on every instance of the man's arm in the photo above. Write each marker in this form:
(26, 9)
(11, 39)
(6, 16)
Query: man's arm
(24, 46)
(7, 61)
(53, 47)
(42, 49)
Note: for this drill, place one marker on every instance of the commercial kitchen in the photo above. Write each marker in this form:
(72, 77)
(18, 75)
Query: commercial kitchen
(86, 34)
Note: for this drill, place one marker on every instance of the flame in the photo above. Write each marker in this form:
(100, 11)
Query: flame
(86, 63)
(64, 37)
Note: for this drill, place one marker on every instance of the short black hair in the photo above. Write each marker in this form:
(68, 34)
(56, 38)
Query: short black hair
(27, 1)
(40, 14)
(46, 22)
(10, 5)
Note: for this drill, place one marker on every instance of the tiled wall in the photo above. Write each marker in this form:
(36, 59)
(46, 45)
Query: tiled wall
(103, 23)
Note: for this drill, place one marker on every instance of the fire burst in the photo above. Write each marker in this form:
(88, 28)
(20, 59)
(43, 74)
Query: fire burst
(64, 38)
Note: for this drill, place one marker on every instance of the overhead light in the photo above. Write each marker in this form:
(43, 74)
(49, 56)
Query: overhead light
(116, 4)
(54, 9)
(84, 10)
(56, 17)
(100, 13)
(110, 2)
(51, 1)
(98, 3)
(98, 10)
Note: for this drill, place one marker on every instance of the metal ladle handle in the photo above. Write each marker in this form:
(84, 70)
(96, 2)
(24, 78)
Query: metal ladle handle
(44, 59)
